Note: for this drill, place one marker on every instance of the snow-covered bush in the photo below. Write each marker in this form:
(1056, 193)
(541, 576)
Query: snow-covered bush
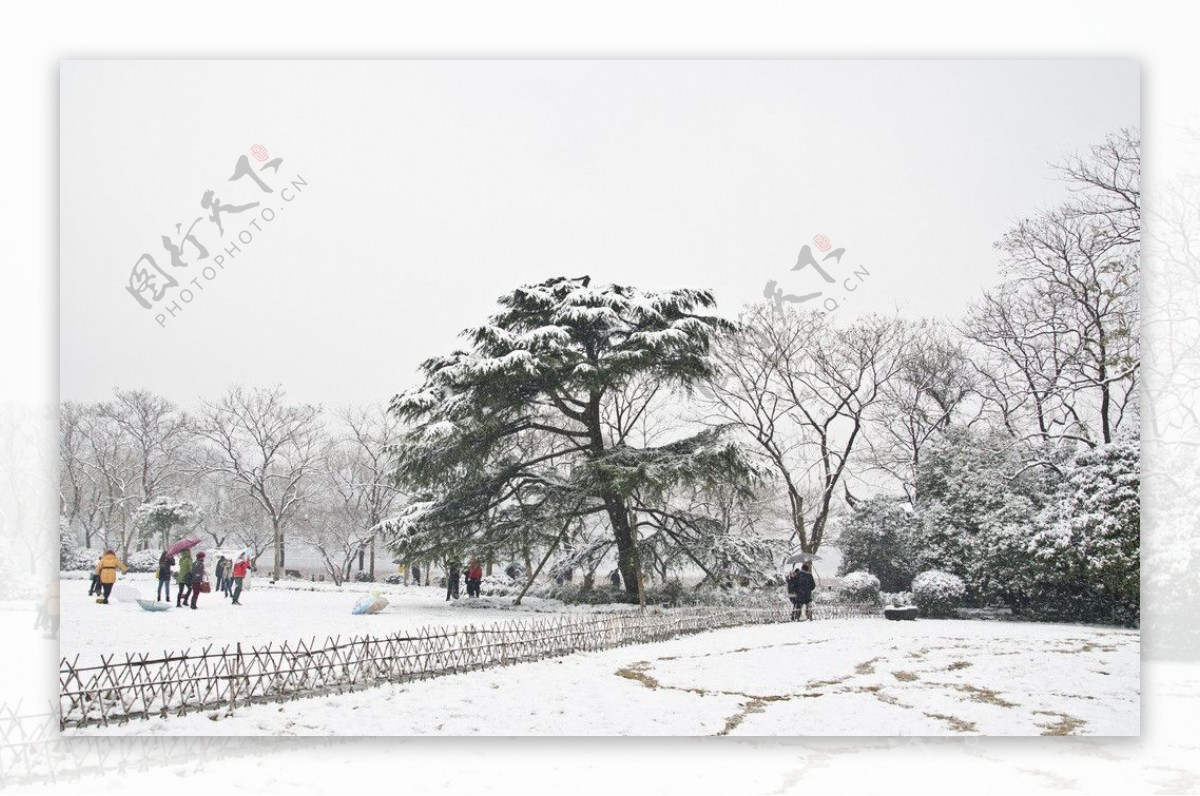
(81, 559)
(499, 586)
(970, 504)
(899, 599)
(670, 593)
(937, 593)
(879, 537)
(859, 587)
(68, 543)
(1085, 556)
(143, 561)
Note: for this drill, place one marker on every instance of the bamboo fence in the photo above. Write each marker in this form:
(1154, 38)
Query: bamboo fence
(120, 688)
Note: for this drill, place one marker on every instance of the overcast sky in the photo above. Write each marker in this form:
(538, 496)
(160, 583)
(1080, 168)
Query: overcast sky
(434, 186)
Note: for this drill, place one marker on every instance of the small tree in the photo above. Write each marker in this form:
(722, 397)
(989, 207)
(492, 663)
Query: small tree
(880, 536)
(1087, 553)
(154, 520)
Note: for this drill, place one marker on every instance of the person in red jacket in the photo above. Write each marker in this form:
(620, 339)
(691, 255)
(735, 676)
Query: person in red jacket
(474, 577)
(240, 568)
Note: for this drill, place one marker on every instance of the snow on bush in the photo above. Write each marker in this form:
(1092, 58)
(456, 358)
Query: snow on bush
(859, 587)
(499, 586)
(1086, 555)
(85, 560)
(143, 561)
(67, 542)
(899, 599)
(81, 559)
(826, 595)
(937, 593)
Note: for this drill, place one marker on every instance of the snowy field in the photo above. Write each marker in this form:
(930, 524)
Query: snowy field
(834, 678)
(286, 612)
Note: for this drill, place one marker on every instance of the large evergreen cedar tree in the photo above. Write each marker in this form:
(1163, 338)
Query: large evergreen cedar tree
(508, 437)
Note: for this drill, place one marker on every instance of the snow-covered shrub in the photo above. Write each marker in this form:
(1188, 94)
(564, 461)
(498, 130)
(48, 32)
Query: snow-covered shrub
(899, 599)
(499, 586)
(859, 587)
(879, 537)
(68, 542)
(143, 561)
(825, 595)
(937, 593)
(971, 505)
(1086, 554)
(669, 593)
(81, 559)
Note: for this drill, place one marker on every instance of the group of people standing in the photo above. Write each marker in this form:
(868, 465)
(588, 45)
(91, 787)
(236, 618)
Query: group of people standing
(454, 573)
(191, 577)
(189, 574)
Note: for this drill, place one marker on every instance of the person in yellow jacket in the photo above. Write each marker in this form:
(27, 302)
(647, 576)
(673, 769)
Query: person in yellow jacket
(107, 570)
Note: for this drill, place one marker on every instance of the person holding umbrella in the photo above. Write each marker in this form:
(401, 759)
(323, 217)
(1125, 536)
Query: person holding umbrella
(806, 584)
(801, 584)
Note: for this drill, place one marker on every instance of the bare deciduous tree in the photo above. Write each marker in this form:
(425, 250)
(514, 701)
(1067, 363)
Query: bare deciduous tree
(931, 389)
(1061, 336)
(268, 447)
(800, 388)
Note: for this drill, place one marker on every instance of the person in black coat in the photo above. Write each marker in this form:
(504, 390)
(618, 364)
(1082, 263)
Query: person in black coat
(196, 577)
(452, 580)
(165, 564)
(793, 589)
(806, 584)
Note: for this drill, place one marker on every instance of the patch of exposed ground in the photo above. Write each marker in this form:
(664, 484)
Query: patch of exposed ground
(1065, 725)
(956, 724)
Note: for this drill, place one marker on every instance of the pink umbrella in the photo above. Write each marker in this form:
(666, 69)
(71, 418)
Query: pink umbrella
(181, 545)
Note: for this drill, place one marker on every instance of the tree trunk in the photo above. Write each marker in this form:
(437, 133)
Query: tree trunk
(278, 539)
(623, 534)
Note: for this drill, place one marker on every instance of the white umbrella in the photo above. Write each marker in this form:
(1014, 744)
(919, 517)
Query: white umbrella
(801, 558)
(125, 594)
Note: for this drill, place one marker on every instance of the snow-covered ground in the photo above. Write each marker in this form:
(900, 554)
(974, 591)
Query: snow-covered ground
(833, 678)
(284, 612)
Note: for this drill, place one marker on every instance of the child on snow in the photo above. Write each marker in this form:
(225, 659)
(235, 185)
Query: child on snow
(94, 586)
